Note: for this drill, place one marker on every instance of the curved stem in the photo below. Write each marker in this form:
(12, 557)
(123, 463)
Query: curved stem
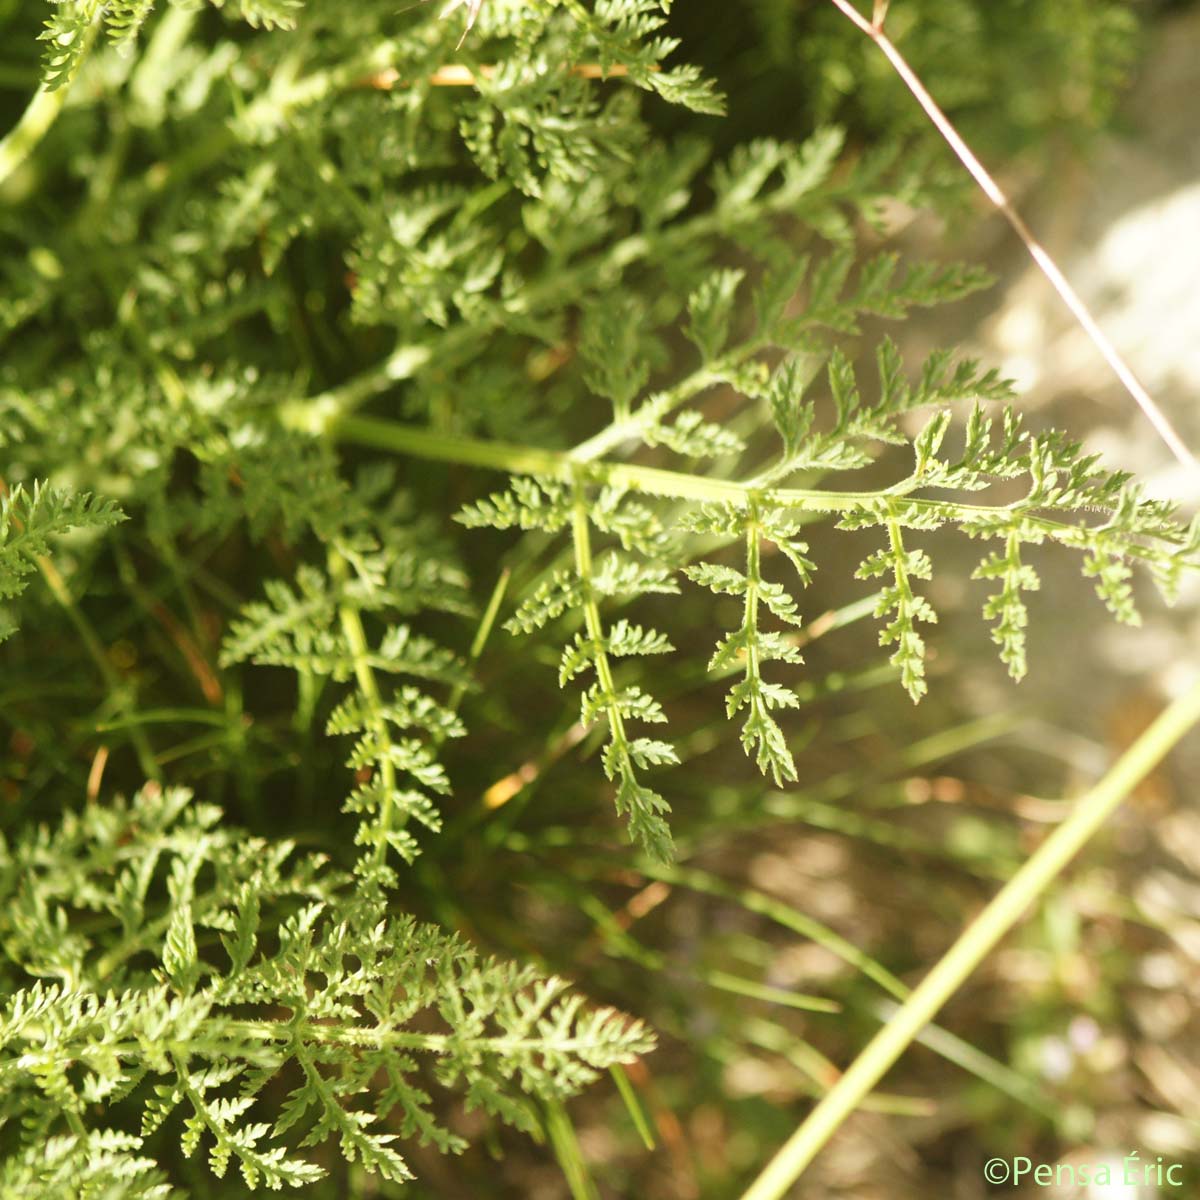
(39, 115)
(974, 944)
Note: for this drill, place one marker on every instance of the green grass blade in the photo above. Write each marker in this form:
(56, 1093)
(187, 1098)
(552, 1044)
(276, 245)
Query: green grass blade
(633, 1106)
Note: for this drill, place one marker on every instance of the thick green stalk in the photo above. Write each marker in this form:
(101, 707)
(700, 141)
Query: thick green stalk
(973, 945)
(382, 434)
(558, 464)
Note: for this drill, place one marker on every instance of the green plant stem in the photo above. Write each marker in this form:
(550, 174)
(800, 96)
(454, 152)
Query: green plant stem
(655, 408)
(753, 584)
(567, 1150)
(230, 1038)
(486, 622)
(352, 627)
(39, 115)
(581, 537)
(116, 688)
(973, 945)
(633, 1106)
(395, 436)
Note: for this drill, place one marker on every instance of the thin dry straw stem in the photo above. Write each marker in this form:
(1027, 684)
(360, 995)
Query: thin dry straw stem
(993, 191)
(973, 945)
